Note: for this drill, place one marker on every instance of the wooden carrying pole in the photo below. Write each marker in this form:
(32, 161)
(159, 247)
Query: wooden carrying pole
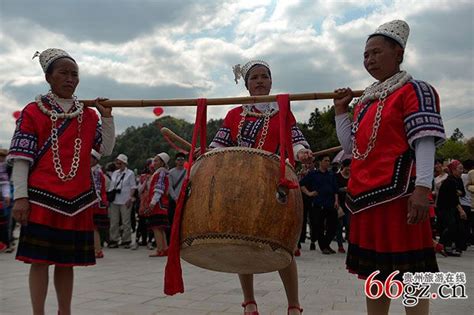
(328, 151)
(216, 101)
(187, 146)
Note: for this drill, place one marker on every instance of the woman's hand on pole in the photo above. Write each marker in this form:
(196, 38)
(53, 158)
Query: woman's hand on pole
(342, 100)
(104, 111)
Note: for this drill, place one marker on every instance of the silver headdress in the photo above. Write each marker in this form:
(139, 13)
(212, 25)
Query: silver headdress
(397, 30)
(241, 72)
(50, 55)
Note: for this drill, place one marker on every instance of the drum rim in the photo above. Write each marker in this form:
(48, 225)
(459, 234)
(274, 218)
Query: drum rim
(188, 241)
(251, 151)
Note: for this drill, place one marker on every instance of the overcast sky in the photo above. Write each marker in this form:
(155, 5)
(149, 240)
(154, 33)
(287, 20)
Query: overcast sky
(184, 49)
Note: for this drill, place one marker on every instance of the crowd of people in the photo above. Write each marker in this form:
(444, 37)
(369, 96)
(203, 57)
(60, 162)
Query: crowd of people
(451, 211)
(141, 204)
(387, 202)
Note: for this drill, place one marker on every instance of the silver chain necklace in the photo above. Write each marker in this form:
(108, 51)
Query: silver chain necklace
(54, 116)
(247, 111)
(380, 91)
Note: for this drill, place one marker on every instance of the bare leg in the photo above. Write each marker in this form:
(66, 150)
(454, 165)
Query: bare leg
(422, 308)
(38, 281)
(246, 282)
(160, 238)
(379, 306)
(63, 282)
(97, 246)
(289, 277)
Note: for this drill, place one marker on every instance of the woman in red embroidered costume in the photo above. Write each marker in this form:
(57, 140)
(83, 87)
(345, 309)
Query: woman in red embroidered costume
(54, 195)
(100, 211)
(144, 182)
(157, 212)
(257, 126)
(392, 139)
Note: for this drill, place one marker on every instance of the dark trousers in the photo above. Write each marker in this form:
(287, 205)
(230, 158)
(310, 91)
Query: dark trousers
(468, 224)
(4, 220)
(471, 226)
(307, 205)
(343, 222)
(171, 210)
(323, 225)
(452, 229)
(144, 236)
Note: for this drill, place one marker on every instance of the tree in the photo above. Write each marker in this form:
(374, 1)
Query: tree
(141, 143)
(320, 131)
(452, 149)
(457, 135)
(470, 148)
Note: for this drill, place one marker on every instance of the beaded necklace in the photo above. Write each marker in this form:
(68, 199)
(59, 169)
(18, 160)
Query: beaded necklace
(247, 111)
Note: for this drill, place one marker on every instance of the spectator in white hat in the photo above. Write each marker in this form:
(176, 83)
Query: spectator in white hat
(121, 197)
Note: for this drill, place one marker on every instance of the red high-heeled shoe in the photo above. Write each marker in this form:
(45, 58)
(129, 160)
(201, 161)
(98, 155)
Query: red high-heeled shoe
(159, 253)
(439, 248)
(244, 305)
(295, 308)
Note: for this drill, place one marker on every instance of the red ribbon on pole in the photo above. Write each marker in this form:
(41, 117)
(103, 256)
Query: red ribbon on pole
(286, 145)
(173, 272)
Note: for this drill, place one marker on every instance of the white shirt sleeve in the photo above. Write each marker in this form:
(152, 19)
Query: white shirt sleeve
(132, 180)
(343, 130)
(425, 153)
(108, 136)
(171, 192)
(19, 178)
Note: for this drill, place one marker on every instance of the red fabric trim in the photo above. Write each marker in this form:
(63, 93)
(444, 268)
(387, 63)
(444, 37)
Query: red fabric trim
(173, 272)
(286, 146)
(384, 229)
(82, 221)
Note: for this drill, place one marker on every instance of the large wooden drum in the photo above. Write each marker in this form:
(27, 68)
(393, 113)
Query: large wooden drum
(233, 220)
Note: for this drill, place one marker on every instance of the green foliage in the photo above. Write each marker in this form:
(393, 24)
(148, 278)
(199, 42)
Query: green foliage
(470, 148)
(146, 141)
(452, 149)
(456, 147)
(457, 135)
(320, 131)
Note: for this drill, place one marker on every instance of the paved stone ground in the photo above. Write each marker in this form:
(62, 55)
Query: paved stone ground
(128, 282)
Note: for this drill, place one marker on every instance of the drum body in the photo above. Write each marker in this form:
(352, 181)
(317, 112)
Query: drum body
(232, 220)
